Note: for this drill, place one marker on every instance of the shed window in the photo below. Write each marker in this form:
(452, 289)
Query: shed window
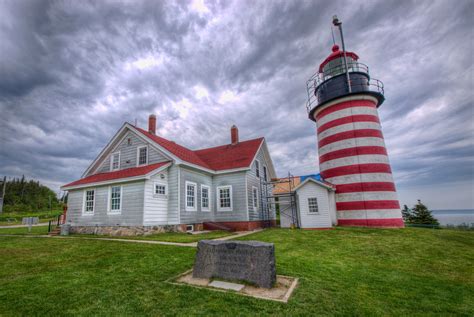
(257, 168)
(115, 161)
(115, 199)
(313, 205)
(205, 198)
(89, 201)
(255, 198)
(142, 155)
(191, 196)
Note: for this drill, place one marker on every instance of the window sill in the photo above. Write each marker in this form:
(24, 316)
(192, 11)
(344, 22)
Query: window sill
(225, 209)
(87, 214)
(114, 212)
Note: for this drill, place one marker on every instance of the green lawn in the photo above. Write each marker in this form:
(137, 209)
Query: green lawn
(24, 230)
(342, 272)
(167, 237)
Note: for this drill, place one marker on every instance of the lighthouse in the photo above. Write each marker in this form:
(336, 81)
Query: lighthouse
(343, 100)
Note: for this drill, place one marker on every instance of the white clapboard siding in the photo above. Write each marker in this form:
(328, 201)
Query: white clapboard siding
(131, 213)
(322, 219)
(128, 153)
(156, 206)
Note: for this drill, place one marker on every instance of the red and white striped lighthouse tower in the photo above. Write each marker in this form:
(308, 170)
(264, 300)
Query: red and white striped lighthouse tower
(343, 101)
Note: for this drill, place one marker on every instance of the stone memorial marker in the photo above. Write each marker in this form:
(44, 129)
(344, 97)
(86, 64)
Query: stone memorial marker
(250, 261)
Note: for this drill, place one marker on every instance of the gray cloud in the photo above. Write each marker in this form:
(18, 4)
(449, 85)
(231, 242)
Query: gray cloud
(71, 72)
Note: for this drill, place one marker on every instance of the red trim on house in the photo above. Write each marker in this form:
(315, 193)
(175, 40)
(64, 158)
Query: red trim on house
(344, 105)
(362, 133)
(366, 187)
(348, 119)
(243, 225)
(356, 169)
(125, 173)
(389, 222)
(353, 151)
(367, 205)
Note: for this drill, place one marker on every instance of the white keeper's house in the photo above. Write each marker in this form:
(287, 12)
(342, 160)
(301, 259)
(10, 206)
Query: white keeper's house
(142, 183)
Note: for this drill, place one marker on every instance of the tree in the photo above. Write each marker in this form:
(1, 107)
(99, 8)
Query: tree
(407, 214)
(421, 215)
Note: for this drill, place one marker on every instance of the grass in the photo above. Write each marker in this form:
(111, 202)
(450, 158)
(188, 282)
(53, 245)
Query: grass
(167, 236)
(18, 222)
(35, 230)
(342, 272)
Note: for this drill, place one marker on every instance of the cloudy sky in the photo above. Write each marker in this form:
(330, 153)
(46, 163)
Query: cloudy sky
(71, 72)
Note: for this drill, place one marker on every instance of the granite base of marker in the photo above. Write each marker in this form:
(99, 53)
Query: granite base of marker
(280, 292)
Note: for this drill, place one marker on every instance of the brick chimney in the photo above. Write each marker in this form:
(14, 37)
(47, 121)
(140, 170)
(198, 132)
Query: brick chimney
(234, 135)
(152, 124)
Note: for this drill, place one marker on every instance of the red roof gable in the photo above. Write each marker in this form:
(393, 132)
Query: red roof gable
(126, 173)
(230, 156)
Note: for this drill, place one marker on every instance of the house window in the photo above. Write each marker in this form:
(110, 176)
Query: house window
(254, 198)
(224, 198)
(115, 199)
(115, 161)
(205, 198)
(142, 155)
(191, 196)
(265, 173)
(89, 201)
(257, 168)
(160, 189)
(313, 205)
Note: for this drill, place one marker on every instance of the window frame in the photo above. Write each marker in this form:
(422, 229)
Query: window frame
(138, 155)
(265, 173)
(255, 199)
(109, 201)
(309, 206)
(186, 184)
(112, 161)
(257, 168)
(157, 195)
(218, 198)
(208, 208)
(84, 199)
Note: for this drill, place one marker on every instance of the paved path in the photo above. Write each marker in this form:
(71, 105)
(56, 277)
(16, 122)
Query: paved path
(238, 235)
(179, 244)
(24, 226)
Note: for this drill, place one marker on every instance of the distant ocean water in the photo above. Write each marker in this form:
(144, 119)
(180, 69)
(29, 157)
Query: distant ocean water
(454, 217)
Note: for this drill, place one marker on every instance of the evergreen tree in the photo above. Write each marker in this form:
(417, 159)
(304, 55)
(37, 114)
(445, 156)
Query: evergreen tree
(22, 195)
(407, 214)
(421, 215)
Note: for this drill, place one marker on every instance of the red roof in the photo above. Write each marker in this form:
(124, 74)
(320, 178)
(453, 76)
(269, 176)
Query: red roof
(180, 151)
(217, 158)
(126, 173)
(336, 53)
(230, 156)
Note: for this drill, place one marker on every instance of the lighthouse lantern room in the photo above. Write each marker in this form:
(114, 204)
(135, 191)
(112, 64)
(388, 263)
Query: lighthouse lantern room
(343, 101)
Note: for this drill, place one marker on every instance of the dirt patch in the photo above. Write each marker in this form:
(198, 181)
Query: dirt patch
(281, 292)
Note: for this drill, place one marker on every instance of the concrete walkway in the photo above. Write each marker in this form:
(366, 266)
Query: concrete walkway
(179, 244)
(24, 226)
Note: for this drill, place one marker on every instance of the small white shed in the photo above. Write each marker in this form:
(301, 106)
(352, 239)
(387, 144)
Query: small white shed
(315, 205)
